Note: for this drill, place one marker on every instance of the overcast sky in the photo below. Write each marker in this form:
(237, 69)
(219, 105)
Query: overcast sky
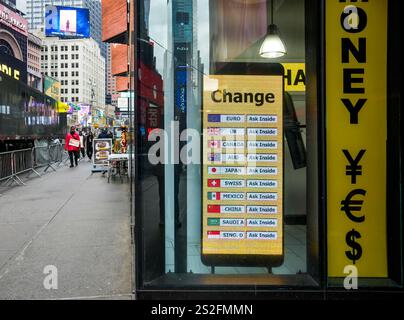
(22, 5)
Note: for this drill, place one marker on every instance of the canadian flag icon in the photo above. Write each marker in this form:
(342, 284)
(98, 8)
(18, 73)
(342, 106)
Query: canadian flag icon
(213, 183)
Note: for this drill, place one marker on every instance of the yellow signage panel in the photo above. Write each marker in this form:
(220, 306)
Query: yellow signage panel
(242, 181)
(62, 107)
(295, 77)
(356, 109)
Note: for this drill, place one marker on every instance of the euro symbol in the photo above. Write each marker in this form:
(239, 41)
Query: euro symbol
(349, 205)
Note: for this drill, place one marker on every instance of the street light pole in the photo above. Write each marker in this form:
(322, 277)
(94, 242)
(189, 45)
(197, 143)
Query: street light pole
(91, 83)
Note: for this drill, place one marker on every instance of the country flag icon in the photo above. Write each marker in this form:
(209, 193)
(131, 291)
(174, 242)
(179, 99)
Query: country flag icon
(213, 183)
(214, 157)
(213, 234)
(213, 195)
(214, 118)
(214, 170)
(213, 144)
(213, 208)
(213, 131)
(213, 222)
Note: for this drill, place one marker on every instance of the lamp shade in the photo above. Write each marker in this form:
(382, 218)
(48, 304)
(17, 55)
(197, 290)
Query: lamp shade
(272, 46)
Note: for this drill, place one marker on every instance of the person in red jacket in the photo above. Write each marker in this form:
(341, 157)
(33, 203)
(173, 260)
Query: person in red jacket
(73, 146)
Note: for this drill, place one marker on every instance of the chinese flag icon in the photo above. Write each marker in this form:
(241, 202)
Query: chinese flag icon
(213, 208)
(213, 183)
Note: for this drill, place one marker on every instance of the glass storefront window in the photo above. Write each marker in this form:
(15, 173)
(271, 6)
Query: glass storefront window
(232, 167)
(182, 51)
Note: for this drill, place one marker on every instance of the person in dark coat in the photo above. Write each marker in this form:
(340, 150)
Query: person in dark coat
(105, 134)
(89, 144)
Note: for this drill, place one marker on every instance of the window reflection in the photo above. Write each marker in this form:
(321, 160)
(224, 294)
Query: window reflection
(180, 42)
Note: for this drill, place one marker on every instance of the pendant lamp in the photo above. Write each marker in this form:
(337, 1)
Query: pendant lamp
(272, 46)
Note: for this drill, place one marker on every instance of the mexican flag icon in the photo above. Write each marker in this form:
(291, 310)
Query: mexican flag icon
(213, 195)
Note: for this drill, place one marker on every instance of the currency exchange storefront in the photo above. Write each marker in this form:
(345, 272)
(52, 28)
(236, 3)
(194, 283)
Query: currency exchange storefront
(268, 149)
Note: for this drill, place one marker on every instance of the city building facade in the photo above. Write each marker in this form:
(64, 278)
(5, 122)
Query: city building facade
(34, 62)
(13, 32)
(79, 66)
(114, 34)
(26, 113)
(112, 95)
(11, 3)
(35, 13)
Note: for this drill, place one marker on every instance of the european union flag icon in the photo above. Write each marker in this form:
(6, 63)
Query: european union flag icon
(213, 117)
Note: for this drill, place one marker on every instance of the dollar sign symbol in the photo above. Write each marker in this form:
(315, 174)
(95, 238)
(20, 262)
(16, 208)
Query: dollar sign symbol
(356, 252)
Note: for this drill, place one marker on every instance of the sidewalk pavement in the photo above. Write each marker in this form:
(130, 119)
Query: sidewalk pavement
(75, 221)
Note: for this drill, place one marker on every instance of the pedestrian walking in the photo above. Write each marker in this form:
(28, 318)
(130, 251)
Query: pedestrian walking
(73, 146)
(89, 145)
(82, 149)
(105, 134)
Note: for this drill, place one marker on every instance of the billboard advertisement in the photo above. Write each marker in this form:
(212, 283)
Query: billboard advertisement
(52, 88)
(84, 114)
(67, 22)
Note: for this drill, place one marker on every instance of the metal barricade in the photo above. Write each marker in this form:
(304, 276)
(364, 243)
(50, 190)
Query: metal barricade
(65, 156)
(55, 156)
(41, 156)
(16, 163)
(6, 165)
(24, 162)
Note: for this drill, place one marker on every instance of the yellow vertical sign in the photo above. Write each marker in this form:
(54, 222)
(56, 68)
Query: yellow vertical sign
(243, 165)
(356, 111)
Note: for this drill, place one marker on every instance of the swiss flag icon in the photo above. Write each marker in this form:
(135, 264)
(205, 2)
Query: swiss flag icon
(213, 183)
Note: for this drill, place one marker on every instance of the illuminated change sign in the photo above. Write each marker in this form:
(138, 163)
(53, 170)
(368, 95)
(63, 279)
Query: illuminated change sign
(356, 101)
(242, 210)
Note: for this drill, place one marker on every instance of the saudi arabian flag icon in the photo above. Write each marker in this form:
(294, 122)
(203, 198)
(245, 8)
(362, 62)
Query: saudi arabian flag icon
(213, 222)
(213, 195)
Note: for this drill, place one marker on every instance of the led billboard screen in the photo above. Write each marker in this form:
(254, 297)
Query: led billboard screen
(67, 22)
